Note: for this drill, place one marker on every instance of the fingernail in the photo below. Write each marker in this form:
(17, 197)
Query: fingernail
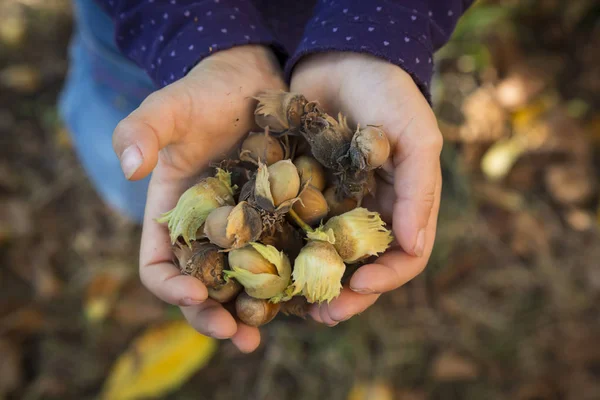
(362, 290)
(213, 334)
(420, 245)
(332, 325)
(131, 160)
(188, 302)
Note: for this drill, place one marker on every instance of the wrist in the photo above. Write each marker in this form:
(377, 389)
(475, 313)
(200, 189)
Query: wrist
(256, 62)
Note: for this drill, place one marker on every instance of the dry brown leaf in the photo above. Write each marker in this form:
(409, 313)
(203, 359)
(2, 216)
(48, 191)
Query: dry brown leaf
(24, 321)
(103, 290)
(570, 183)
(10, 367)
(411, 394)
(22, 78)
(376, 390)
(449, 366)
(486, 120)
(138, 307)
(525, 81)
(158, 361)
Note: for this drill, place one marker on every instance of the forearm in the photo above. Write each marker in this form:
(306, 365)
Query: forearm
(403, 32)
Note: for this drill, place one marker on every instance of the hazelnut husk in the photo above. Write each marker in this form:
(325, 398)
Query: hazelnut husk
(275, 187)
(311, 172)
(263, 270)
(284, 181)
(329, 139)
(312, 206)
(255, 312)
(262, 147)
(194, 205)
(357, 234)
(203, 261)
(318, 271)
(279, 111)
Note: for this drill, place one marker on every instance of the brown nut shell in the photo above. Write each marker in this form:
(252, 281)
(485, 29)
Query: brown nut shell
(337, 206)
(312, 207)
(255, 312)
(262, 147)
(215, 227)
(226, 292)
(370, 148)
(310, 170)
(203, 261)
(279, 111)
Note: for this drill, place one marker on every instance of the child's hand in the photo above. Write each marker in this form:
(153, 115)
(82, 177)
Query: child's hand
(372, 91)
(174, 134)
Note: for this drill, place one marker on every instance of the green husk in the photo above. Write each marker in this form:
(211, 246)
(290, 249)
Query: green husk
(318, 272)
(358, 234)
(262, 285)
(195, 204)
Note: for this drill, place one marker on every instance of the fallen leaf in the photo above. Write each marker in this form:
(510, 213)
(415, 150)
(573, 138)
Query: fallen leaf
(486, 120)
(10, 367)
(103, 290)
(158, 361)
(25, 321)
(13, 28)
(371, 391)
(449, 366)
(22, 78)
(138, 307)
(570, 183)
(500, 158)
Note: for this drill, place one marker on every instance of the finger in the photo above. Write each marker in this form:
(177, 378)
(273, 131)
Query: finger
(139, 137)
(396, 267)
(315, 313)
(417, 162)
(211, 319)
(324, 313)
(348, 304)
(247, 338)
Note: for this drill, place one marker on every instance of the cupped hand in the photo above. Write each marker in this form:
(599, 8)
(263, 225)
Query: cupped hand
(371, 91)
(175, 133)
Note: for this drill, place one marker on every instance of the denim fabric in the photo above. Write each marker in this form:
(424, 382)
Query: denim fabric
(101, 89)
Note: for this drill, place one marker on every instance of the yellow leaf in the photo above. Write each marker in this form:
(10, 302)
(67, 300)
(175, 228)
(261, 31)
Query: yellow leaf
(526, 115)
(371, 391)
(158, 361)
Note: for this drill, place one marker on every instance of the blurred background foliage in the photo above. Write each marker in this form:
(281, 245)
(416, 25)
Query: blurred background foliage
(507, 309)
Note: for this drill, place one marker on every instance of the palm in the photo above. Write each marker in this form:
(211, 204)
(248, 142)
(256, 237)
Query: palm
(371, 91)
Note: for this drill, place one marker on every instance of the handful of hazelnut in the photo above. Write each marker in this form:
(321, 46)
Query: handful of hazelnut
(275, 229)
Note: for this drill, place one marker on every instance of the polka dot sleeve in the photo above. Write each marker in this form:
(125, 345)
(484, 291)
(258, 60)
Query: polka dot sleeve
(167, 38)
(405, 33)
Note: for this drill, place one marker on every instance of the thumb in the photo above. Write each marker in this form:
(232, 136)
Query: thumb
(417, 163)
(139, 137)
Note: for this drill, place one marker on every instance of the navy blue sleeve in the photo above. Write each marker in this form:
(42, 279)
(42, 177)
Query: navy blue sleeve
(167, 38)
(403, 32)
